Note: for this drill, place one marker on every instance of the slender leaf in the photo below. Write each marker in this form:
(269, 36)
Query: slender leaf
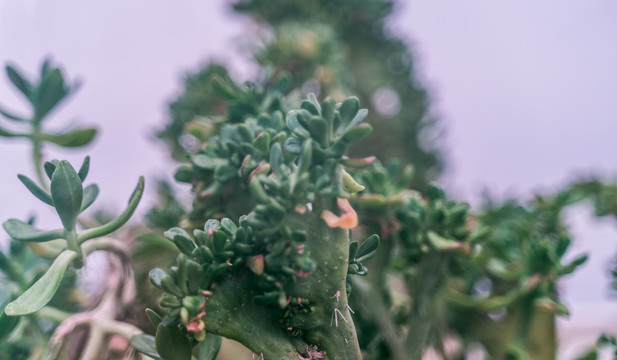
(368, 246)
(39, 294)
(90, 194)
(120, 220)
(50, 167)
(36, 190)
(74, 138)
(155, 319)
(145, 343)
(21, 231)
(84, 169)
(19, 81)
(9, 115)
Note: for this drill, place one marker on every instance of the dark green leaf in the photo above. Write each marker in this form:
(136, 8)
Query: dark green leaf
(209, 348)
(172, 344)
(73, 138)
(39, 294)
(50, 167)
(19, 230)
(67, 193)
(292, 145)
(90, 194)
(145, 343)
(36, 190)
(348, 109)
(368, 246)
(7, 323)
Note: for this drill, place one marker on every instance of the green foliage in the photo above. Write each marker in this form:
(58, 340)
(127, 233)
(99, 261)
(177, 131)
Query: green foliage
(67, 197)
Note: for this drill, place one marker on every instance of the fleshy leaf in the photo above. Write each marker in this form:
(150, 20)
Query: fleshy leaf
(120, 220)
(368, 246)
(74, 138)
(84, 169)
(19, 81)
(171, 344)
(67, 193)
(90, 194)
(19, 230)
(209, 348)
(39, 294)
(36, 190)
(145, 343)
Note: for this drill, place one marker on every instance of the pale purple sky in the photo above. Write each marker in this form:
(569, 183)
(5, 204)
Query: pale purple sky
(526, 89)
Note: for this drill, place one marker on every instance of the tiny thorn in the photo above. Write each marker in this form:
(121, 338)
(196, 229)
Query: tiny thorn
(349, 307)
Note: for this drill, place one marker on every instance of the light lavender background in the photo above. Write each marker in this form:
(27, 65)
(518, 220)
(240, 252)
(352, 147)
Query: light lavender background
(526, 91)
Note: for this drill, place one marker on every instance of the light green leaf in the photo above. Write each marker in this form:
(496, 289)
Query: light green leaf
(39, 294)
(209, 348)
(21, 231)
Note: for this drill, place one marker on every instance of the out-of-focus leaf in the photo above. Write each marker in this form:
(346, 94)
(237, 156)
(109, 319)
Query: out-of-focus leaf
(209, 348)
(41, 292)
(74, 138)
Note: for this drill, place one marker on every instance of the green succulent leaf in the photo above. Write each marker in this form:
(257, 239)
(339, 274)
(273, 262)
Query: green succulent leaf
(50, 92)
(120, 220)
(156, 275)
(74, 138)
(90, 194)
(50, 167)
(39, 294)
(9, 115)
(209, 348)
(36, 190)
(84, 169)
(172, 344)
(21, 231)
(67, 193)
(145, 344)
(7, 323)
(19, 81)
(155, 319)
(368, 247)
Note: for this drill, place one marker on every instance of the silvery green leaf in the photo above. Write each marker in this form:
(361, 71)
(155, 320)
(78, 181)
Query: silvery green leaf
(21, 231)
